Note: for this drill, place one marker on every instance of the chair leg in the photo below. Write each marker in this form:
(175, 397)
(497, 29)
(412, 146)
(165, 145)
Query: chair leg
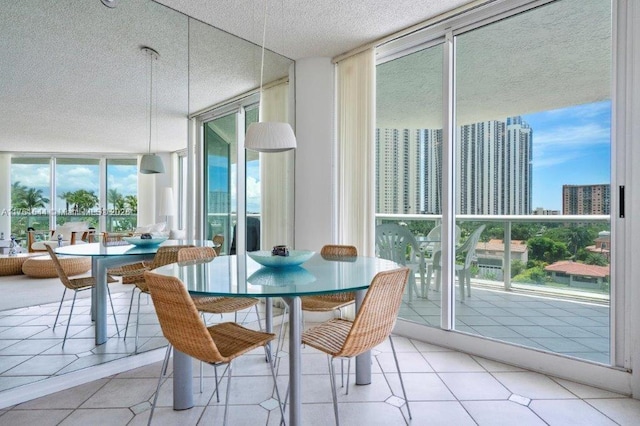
(138, 321)
(59, 308)
(280, 343)
(226, 402)
(332, 378)
(215, 374)
(468, 274)
(163, 372)
(115, 321)
(404, 392)
(348, 373)
(64, 340)
(126, 329)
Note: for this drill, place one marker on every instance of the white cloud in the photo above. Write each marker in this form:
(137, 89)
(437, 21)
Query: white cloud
(574, 136)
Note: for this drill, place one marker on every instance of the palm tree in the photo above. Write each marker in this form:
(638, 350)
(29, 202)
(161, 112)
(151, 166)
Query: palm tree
(18, 192)
(32, 199)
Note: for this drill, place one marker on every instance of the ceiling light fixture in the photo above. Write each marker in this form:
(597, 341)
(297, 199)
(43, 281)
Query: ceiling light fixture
(110, 3)
(268, 136)
(151, 163)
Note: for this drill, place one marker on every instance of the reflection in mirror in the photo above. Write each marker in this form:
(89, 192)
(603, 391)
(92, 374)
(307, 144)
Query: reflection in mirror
(75, 69)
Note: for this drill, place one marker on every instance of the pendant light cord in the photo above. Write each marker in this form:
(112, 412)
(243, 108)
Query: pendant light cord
(150, 96)
(264, 38)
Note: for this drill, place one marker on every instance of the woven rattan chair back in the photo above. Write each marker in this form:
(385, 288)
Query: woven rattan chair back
(179, 319)
(167, 255)
(59, 269)
(191, 255)
(336, 250)
(377, 314)
(218, 241)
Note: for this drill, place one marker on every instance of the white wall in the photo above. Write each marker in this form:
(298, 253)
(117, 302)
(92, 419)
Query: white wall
(150, 193)
(5, 194)
(315, 132)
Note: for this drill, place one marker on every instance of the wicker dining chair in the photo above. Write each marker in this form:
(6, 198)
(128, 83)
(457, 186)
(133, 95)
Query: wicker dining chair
(217, 344)
(340, 338)
(133, 273)
(331, 302)
(215, 305)
(326, 302)
(218, 241)
(77, 285)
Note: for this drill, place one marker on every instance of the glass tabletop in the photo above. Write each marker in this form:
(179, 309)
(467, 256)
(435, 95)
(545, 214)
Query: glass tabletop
(100, 249)
(242, 276)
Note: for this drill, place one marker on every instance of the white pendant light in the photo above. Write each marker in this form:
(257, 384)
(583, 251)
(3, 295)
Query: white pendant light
(151, 163)
(268, 136)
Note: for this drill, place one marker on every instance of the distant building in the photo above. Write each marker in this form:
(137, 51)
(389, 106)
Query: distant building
(490, 256)
(602, 245)
(539, 211)
(493, 169)
(578, 274)
(586, 199)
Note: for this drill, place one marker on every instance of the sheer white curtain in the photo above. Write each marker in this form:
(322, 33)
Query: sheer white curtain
(276, 175)
(356, 151)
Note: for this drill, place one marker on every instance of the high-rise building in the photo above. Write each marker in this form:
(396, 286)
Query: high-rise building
(586, 199)
(493, 170)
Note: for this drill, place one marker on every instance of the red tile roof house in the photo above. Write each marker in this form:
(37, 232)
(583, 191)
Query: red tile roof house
(578, 274)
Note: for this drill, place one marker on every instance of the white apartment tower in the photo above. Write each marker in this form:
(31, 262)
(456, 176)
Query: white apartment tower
(493, 169)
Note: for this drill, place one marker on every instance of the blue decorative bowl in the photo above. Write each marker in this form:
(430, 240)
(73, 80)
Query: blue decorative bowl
(295, 258)
(141, 242)
(280, 277)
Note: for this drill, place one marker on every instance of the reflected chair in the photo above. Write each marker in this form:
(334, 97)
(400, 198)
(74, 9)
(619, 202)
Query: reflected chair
(327, 302)
(217, 345)
(395, 242)
(133, 273)
(218, 241)
(75, 284)
(374, 322)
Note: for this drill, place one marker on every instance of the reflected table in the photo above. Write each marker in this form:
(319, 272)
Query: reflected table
(240, 276)
(105, 256)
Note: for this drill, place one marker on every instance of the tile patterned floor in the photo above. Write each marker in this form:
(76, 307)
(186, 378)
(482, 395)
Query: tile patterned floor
(444, 388)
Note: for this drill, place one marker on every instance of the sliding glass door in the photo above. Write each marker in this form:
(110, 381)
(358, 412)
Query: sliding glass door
(527, 93)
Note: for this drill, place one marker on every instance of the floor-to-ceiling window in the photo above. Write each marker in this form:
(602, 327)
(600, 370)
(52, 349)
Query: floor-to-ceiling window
(220, 167)
(530, 157)
(49, 191)
(122, 195)
(77, 189)
(30, 194)
(409, 158)
(231, 187)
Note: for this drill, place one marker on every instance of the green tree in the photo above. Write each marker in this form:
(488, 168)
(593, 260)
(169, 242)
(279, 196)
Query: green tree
(18, 192)
(547, 250)
(82, 199)
(132, 203)
(517, 267)
(32, 199)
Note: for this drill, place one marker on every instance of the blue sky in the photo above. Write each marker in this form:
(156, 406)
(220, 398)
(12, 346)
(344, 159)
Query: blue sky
(570, 146)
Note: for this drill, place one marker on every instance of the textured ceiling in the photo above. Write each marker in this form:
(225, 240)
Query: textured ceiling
(548, 58)
(313, 28)
(73, 78)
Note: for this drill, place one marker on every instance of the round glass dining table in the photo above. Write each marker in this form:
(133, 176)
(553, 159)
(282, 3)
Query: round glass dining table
(105, 256)
(240, 276)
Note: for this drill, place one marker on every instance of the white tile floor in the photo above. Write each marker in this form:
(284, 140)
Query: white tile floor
(443, 386)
